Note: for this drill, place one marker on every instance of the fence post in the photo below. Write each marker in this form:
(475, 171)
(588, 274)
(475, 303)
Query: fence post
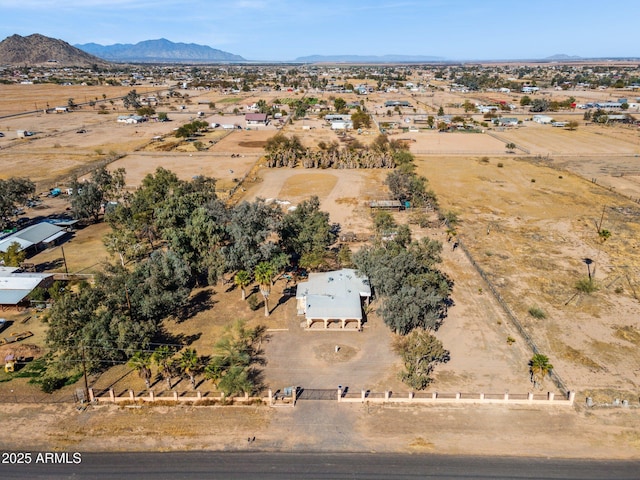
(482, 397)
(339, 394)
(92, 398)
(572, 397)
(458, 396)
(152, 396)
(411, 394)
(132, 396)
(112, 396)
(434, 395)
(550, 396)
(363, 394)
(506, 396)
(175, 396)
(199, 395)
(530, 396)
(386, 395)
(270, 396)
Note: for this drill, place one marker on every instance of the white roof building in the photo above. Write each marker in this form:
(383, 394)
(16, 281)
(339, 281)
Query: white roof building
(40, 233)
(15, 287)
(333, 297)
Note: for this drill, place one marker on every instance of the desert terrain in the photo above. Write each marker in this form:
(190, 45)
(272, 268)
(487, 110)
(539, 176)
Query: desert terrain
(528, 221)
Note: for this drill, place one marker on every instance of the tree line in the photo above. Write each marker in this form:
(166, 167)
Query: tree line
(283, 151)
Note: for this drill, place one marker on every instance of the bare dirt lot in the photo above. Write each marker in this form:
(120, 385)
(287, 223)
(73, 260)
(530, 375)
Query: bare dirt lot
(528, 226)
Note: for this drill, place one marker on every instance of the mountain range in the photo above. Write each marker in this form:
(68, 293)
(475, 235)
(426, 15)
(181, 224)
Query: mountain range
(159, 51)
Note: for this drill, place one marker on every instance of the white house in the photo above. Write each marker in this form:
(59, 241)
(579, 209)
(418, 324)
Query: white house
(543, 119)
(333, 297)
(131, 119)
(255, 119)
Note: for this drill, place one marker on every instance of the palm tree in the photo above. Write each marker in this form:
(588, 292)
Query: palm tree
(162, 358)
(539, 367)
(264, 274)
(242, 280)
(190, 364)
(141, 362)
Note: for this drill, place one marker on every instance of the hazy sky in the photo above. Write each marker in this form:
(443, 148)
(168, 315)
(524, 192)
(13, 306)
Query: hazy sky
(286, 29)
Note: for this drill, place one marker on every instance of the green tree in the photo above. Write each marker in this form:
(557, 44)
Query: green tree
(14, 192)
(440, 111)
(339, 104)
(525, 100)
(190, 364)
(264, 274)
(539, 367)
(131, 100)
(510, 147)
(539, 105)
(242, 279)
(306, 229)
(141, 363)
(13, 256)
(232, 367)
(420, 351)
(360, 119)
(163, 358)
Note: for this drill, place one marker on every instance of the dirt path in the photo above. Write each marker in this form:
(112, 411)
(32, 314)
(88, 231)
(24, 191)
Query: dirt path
(328, 426)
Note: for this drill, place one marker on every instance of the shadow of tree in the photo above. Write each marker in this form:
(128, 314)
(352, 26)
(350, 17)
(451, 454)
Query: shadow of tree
(200, 302)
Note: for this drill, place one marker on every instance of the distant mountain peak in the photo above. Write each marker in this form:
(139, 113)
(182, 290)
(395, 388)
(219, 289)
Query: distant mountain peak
(38, 49)
(563, 56)
(159, 50)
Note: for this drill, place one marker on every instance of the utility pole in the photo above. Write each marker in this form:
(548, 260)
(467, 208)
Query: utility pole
(84, 372)
(64, 259)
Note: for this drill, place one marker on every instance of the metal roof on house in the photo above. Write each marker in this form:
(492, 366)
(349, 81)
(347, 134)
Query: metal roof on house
(32, 235)
(15, 287)
(333, 295)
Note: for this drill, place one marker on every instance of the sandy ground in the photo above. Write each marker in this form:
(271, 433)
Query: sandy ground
(328, 426)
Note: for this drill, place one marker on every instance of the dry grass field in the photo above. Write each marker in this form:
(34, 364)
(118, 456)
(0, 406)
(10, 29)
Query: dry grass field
(530, 227)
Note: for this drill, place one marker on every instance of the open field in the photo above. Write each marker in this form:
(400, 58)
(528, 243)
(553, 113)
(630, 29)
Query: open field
(530, 229)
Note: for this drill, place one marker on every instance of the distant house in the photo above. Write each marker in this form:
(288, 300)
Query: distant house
(543, 119)
(16, 286)
(529, 89)
(35, 236)
(507, 122)
(337, 118)
(396, 103)
(341, 125)
(255, 119)
(333, 297)
(131, 119)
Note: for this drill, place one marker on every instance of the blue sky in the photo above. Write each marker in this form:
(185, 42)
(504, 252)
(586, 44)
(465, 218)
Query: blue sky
(286, 29)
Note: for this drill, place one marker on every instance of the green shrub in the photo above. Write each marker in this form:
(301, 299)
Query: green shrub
(51, 384)
(538, 313)
(586, 285)
(254, 302)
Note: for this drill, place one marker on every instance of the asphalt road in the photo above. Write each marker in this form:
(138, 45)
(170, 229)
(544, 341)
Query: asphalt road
(261, 465)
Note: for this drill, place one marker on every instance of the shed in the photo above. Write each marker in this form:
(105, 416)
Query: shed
(15, 286)
(42, 233)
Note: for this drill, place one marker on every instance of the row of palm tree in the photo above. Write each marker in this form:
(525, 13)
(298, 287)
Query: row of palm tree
(264, 274)
(231, 367)
(187, 363)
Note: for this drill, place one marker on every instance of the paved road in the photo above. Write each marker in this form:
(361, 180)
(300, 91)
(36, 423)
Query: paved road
(232, 465)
